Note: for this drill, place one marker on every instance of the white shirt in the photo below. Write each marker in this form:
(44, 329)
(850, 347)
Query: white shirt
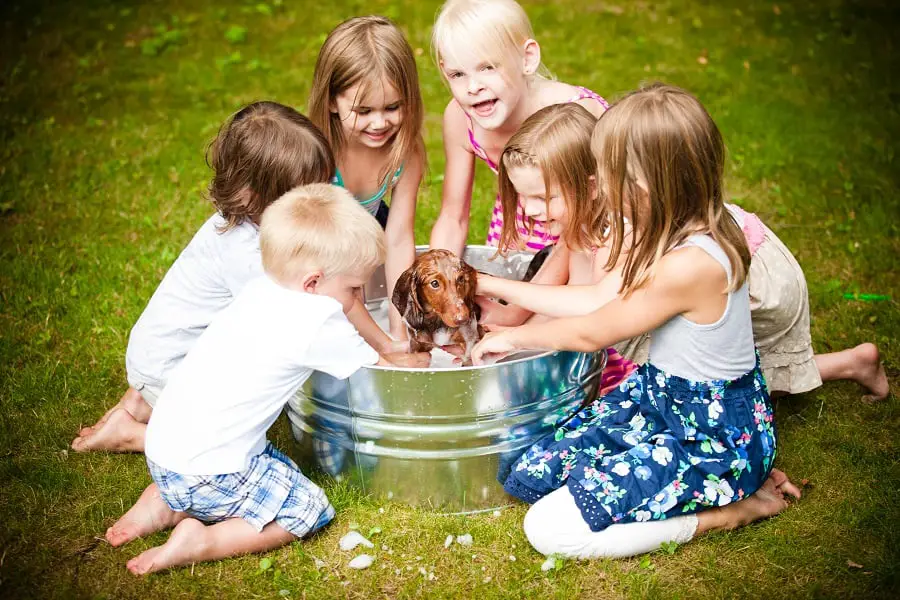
(707, 352)
(205, 278)
(213, 415)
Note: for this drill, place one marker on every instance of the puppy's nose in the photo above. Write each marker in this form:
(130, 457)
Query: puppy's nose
(461, 315)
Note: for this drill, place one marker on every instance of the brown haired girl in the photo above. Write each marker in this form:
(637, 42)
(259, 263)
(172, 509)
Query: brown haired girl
(366, 99)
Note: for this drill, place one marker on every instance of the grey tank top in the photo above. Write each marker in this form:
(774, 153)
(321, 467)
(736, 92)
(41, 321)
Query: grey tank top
(715, 351)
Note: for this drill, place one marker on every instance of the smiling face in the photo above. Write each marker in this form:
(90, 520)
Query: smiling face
(537, 200)
(486, 91)
(370, 115)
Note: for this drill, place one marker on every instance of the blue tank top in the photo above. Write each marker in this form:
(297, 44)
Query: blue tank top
(372, 203)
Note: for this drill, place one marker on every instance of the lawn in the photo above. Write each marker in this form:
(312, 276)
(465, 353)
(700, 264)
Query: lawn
(105, 111)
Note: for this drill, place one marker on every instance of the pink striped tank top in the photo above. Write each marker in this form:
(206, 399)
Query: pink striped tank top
(538, 238)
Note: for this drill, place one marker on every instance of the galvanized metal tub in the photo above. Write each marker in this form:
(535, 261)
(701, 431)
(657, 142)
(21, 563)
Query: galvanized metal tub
(440, 437)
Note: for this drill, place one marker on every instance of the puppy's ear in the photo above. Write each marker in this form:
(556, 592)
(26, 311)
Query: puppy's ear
(400, 297)
(406, 298)
(471, 285)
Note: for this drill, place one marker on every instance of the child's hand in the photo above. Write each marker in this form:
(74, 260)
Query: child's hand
(484, 282)
(493, 346)
(494, 313)
(418, 360)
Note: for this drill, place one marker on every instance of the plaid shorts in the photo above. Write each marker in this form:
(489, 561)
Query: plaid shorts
(271, 488)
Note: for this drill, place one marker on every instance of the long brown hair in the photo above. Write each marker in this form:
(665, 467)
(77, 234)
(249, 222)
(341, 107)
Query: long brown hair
(662, 137)
(556, 140)
(261, 152)
(368, 50)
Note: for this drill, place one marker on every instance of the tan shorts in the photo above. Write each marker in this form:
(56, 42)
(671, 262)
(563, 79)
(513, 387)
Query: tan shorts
(779, 307)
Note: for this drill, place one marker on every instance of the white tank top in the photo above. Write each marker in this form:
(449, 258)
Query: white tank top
(720, 350)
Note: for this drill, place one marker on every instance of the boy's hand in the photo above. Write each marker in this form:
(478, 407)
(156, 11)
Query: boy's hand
(417, 360)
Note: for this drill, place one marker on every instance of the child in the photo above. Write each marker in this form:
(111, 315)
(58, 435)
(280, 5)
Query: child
(260, 153)
(691, 431)
(365, 98)
(547, 175)
(206, 443)
(487, 52)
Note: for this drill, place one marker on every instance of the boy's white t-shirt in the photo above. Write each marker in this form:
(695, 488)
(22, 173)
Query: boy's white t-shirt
(213, 414)
(205, 278)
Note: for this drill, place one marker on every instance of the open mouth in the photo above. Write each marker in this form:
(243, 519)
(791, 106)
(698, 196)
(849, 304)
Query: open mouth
(378, 135)
(484, 108)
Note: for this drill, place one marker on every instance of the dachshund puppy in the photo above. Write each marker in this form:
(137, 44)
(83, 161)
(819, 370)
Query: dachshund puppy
(436, 298)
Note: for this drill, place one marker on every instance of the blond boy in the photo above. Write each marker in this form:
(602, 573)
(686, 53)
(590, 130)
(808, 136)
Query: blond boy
(206, 441)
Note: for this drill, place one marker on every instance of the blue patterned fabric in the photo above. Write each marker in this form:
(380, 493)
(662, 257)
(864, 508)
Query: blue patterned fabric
(272, 488)
(657, 446)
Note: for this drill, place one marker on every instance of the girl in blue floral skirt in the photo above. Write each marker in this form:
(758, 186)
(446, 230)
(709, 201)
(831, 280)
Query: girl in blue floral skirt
(690, 434)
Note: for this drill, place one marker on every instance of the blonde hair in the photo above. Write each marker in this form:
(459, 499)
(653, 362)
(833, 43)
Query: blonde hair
(556, 140)
(663, 137)
(367, 51)
(491, 30)
(319, 226)
(260, 153)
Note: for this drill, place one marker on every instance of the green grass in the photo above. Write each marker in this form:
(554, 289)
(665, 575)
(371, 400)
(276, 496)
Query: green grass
(105, 109)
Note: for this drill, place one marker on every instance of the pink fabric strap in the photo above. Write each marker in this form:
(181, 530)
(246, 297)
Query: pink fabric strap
(753, 228)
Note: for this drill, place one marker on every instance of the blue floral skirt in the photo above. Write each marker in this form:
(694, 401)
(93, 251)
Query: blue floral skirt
(657, 446)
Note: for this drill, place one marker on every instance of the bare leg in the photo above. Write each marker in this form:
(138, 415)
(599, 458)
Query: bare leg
(861, 364)
(121, 433)
(192, 542)
(767, 501)
(148, 515)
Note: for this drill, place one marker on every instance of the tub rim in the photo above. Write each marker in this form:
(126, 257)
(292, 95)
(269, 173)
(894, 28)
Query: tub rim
(530, 354)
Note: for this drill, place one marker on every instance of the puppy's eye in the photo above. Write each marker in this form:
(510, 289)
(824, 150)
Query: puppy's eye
(435, 284)
(461, 280)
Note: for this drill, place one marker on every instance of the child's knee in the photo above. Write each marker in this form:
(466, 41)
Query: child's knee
(539, 528)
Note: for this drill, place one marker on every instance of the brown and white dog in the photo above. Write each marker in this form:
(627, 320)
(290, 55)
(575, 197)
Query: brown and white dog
(436, 298)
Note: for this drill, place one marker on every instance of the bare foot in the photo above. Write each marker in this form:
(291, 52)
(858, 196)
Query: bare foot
(871, 373)
(120, 433)
(132, 401)
(767, 501)
(180, 549)
(148, 515)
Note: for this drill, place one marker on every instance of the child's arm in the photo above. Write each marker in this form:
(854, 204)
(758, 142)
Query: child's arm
(369, 329)
(400, 232)
(452, 225)
(554, 271)
(552, 300)
(682, 283)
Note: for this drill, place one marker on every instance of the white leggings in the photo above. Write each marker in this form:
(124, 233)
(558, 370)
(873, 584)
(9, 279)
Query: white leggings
(554, 525)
